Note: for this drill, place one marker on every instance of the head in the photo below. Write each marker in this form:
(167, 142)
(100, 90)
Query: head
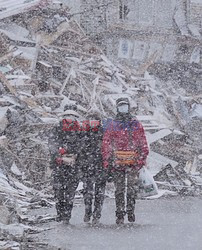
(94, 118)
(70, 107)
(94, 115)
(123, 106)
(70, 112)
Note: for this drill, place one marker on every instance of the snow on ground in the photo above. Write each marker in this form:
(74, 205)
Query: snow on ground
(172, 224)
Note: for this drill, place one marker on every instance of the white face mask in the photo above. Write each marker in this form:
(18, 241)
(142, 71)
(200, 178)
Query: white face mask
(123, 109)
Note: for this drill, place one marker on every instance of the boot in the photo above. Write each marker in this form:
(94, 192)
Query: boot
(120, 217)
(95, 221)
(87, 216)
(120, 220)
(131, 217)
(59, 218)
(66, 221)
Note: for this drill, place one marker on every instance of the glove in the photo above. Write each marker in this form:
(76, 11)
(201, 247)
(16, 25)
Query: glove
(108, 175)
(141, 162)
(62, 151)
(137, 168)
(105, 164)
(59, 161)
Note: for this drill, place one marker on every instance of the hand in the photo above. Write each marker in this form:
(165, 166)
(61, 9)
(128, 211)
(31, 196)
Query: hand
(62, 151)
(141, 162)
(138, 167)
(105, 164)
(59, 161)
(108, 175)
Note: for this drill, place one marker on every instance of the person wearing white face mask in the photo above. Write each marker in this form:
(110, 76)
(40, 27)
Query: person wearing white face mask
(124, 151)
(124, 109)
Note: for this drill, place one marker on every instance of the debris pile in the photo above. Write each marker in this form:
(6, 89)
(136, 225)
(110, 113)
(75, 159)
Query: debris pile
(52, 63)
(16, 201)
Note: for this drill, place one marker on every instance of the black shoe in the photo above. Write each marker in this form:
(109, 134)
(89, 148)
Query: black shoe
(95, 221)
(87, 217)
(131, 217)
(66, 221)
(59, 218)
(120, 220)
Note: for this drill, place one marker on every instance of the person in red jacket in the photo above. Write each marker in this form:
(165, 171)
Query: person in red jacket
(124, 151)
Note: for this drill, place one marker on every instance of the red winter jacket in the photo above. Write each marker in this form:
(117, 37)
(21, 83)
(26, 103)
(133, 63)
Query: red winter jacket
(118, 140)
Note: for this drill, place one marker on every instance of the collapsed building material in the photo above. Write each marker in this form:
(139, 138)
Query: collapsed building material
(176, 179)
(63, 67)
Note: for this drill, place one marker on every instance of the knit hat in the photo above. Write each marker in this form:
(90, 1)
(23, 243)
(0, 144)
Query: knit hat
(121, 101)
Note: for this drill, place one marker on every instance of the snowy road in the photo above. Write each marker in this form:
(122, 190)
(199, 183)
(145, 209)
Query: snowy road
(163, 224)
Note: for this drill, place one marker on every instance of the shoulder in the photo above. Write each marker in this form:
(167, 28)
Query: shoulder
(107, 123)
(53, 129)
(137, 124)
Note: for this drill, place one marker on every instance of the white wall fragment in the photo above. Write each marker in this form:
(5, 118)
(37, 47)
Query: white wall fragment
(124, 49)
(140, 50)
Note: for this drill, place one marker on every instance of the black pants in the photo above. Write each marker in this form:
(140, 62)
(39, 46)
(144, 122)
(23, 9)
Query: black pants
(94, 187)
(120, 190)
(66, 181)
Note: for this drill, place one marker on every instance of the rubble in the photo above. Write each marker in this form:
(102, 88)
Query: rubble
(177, 180)
(54, 64)
(64, 66)
(16, 200)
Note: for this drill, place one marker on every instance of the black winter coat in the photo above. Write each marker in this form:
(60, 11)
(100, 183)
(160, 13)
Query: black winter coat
(91, 156)
(70, 140)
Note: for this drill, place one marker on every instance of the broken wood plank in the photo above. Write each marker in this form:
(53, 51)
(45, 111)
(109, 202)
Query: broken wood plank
(158, 135)
(66, 81)
(7, 84)
(24, 77)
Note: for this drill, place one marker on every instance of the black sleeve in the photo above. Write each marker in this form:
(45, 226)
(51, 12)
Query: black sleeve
(54, 143)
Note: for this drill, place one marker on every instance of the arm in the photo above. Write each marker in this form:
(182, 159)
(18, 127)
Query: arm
(142, 146)
(54, 144)
(106, 148)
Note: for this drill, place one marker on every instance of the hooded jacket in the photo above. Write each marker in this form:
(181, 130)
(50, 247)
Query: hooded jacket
(124, 134)
(68, 140)
(91, 151)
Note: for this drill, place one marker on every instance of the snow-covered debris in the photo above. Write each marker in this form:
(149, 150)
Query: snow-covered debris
(11, 7)
(16, 200)
(176, 179)
(57, 64)
(15, 170)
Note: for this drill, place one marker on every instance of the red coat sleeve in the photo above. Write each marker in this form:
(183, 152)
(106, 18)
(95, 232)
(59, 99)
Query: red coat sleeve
(142, 146)
(106, 148)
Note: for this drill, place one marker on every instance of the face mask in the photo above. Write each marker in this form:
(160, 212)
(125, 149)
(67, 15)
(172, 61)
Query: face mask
(123, 109)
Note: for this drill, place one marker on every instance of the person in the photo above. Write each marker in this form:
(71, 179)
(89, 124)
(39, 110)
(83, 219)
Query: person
(94, 179)
(64, 143)
(125, 150)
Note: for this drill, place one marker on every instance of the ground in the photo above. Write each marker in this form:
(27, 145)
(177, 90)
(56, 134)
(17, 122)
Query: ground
(163, 224)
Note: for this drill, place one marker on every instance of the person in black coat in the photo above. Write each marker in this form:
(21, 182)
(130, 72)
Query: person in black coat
(94, 178)
(66, 175)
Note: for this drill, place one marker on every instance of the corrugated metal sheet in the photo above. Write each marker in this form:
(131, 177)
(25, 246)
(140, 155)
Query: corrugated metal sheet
(14, 7)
